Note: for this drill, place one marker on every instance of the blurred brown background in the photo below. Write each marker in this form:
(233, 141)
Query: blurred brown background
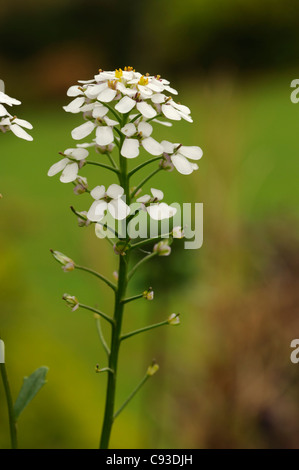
(225, 379)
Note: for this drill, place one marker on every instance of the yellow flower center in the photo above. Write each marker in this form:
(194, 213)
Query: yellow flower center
(143, 81)
(118, 73)
(129, 69)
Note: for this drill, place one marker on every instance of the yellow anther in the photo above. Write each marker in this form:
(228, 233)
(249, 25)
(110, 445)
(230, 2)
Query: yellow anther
(112, 84)
(118, 73)
(129, 69)
(143, 80)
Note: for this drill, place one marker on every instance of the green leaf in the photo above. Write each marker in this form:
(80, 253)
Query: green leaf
(31, 386)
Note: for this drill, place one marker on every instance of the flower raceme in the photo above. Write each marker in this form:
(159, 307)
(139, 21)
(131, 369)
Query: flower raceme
(12, 123)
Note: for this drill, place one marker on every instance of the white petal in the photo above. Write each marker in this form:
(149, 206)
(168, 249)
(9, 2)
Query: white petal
(74, 91)
(155, 85)
(170, 112)
(107, 95)
(97, 211)
(145, 91)
(130, 148)
(168, 146)
(74, 106)
(110, 122)
(19, 132)
(3, 111)
(158, 98)
(98, 192)
(182, 164)
(8, 100)
(78, 153)
(83, 131)
(104, 135)
(181, 107)
(157, 193)
(95, 90)
(145, 128)
(86, 81)
(57, 167)
(170, 90)
(129, 130)
(163, 123)
(193, 152)
(115, 191)
(125, 91)
(125, 105)
(152, 146)
(144, 199)
(99, 111)
(146, 109)
(70, 173)
(161, 211)
(118, 209)
(23, 123)
(186, 117)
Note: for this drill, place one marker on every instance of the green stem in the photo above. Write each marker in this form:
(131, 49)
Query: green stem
(135, 297)
(149, 240)
(111, 160)
(137, 265)
(103, 165)
(98, 275)
(101, 336)
(113, 359)
(98, 312)
(117, 317)
(12, 421)
(145, 181)
(145, 378)
(142, 330)
(137, 168)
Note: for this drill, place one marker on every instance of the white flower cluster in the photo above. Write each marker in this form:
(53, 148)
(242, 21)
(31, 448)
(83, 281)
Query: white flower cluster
(120, 107)
(12, 123)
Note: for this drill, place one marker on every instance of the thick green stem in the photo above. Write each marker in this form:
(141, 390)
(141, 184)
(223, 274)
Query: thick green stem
(113, 359)
(12, 421)
(117, 319)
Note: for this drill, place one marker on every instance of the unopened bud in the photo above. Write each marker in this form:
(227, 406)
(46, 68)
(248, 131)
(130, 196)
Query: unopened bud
(120, 248)
(152, 369)
(67, 263)
(104, 148)
(115, 275)
(178, 232)
(83, 222)
(71, 301)
(148, 294)
(174, 319)
(162, 248)
(166, 163)
(81, 185)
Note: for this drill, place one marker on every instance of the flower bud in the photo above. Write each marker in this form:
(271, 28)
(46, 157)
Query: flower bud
(71, 301)
(83, 222)
(166, 163)
(81, 185)
(148, 294)
(120, 248)
(115, 275)
(67, 263)
(178, 232)
(152, 369)
(162, 248)
(174, 319)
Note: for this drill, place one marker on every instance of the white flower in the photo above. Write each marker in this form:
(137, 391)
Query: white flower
(142, 131)
(110, 200)
(68, 167)
(12, 123)
(162, 248)
(156, 210)
(178, 232)
(174, 319)
(104, 130)
(179, 155)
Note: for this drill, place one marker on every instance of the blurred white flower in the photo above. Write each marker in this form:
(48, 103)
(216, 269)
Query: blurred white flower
(162, 248)
(12, 123)
(108, 200)
(67, 165)
(156, 210)
(174, 319)
(141, 132)
(179, 155)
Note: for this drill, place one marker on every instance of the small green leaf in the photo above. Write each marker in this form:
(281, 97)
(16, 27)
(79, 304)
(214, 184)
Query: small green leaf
(30, 388)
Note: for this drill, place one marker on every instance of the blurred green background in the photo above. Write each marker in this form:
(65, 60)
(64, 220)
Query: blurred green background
(225, 379)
